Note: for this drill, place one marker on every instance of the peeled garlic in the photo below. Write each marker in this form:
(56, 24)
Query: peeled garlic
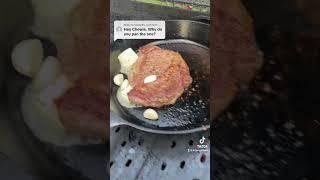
(150, 114)
(55, 89)
(48, 73)
(44, 120)
(124, 100)
(118, 79)
(27, 57)
(124, 84)
(150, 79)
(127, 89)
(127, 58)
(122, 94)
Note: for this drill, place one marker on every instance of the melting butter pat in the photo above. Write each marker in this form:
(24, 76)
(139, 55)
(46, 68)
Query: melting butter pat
(127, 58)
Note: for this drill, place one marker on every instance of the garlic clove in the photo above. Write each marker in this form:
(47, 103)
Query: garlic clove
(27, 57)
(55, 90)
(118, 79)
(150, 114)
(150, 79)
(48, 73)
(124, 84)
(123, 99)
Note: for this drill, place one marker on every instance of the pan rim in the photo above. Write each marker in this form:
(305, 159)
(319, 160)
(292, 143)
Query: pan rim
(158, 131)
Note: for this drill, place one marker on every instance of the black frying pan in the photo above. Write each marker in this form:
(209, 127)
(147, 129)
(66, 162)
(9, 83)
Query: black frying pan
(191, 111)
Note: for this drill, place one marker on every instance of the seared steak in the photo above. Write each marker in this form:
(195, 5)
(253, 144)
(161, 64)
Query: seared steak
(172, 73)
(83, 108)
(82, 51)
(236, 57)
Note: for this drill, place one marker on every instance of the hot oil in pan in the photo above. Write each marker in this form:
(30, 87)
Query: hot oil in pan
(193, 106)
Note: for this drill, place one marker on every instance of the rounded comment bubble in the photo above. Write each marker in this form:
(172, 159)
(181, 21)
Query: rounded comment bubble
(139, 30)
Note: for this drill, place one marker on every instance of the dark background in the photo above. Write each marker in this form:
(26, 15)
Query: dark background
(289, 38)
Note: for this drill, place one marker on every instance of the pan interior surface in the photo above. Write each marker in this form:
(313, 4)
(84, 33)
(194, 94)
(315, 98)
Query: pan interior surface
(191, 110)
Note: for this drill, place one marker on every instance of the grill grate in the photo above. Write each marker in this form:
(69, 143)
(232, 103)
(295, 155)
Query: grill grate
(137, 155)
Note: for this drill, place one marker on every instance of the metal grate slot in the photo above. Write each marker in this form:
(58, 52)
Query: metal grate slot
(137, 155)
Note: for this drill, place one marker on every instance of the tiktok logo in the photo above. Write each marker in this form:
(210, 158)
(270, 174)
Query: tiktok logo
(201, 147)
(201, 141)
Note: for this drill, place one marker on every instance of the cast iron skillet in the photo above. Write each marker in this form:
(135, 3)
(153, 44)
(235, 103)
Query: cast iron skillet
(191, 111)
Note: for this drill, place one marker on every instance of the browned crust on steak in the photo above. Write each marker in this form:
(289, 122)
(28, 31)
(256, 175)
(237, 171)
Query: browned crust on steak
(172, 73)
(82, 51)
(236, 58)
